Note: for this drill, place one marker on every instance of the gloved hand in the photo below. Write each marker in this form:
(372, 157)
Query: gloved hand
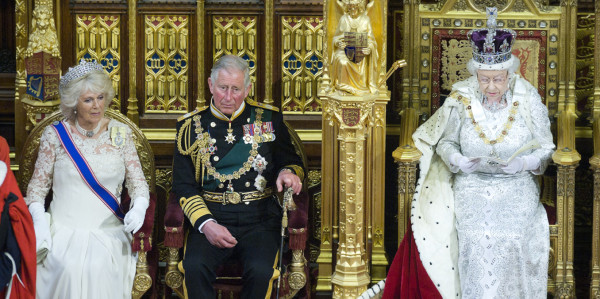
(519, 164)
(465, 164)
(40, 225)
(134, 219)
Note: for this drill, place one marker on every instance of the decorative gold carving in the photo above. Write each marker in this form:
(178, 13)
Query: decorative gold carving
(302, 62)
(97, 38)
(354, 68)
(460, 5)
(201, 101)
(142, 281)
(482, 4)
(132, 102)
(237, 36)
(314, 177)
(164, 179)
(174, 278)
(565, 290)
(166, 63)
(455, 55)
(43, 37)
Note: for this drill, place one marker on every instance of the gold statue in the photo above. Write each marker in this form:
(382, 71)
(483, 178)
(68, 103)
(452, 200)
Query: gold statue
(354, 61)
(43, 37)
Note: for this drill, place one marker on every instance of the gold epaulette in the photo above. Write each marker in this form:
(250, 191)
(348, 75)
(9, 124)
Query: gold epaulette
(189, 114)
(262, 105)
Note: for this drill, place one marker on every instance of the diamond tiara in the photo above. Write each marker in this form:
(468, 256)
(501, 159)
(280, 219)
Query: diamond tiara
(83, 68)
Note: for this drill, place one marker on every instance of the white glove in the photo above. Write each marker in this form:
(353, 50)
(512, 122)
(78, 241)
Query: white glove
(519, 164)
(40, 225)
(135, 217)
(465, 164)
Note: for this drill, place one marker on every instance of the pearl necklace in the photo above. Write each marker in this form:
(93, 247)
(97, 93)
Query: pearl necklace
(85, 132)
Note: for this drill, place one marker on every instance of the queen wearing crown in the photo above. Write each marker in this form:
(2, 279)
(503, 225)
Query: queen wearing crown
(84, 239)
(478, 227)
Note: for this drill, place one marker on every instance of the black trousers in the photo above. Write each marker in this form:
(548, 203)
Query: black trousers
(257, 228)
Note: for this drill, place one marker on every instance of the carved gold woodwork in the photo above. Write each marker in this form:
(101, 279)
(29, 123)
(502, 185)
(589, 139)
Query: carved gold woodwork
(201, 101)
(353, 156)
(237, 36)
(595, 165)
(436, 52)
(43, 36)
(166, 63)
(351, 116)
(132, 101)
(164, 179)
(98, 37)
(301, 63)
(43, 55)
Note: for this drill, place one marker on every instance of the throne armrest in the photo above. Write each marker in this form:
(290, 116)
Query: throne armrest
(174, 219)
(141, 239)
(174, 223)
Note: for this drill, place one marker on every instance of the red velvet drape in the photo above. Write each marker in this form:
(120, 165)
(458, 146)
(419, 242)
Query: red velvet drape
(407, 278)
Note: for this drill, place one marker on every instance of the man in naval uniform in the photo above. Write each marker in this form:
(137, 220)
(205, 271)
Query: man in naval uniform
(230, 159)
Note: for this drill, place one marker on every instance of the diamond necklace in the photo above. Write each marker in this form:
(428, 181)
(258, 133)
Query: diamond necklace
(85, 132)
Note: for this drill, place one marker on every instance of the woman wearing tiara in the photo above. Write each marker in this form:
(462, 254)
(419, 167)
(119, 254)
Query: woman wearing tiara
(477, 222)
(84, 159)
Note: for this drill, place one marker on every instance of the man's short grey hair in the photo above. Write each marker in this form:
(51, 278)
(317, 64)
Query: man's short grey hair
(94, 81)
(231, 63)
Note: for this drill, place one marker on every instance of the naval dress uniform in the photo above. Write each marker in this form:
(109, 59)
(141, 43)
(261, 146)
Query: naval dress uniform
(224, 169)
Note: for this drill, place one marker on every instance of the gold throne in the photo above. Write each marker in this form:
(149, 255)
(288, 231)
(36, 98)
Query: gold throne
(435, 44)
(142, 240)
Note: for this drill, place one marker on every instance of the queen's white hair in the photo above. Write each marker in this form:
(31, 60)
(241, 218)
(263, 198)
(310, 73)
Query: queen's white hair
(512, 65)
(229, 63)
(94, 81)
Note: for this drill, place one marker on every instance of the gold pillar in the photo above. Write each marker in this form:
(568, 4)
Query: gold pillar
(566, 156)
(595, 164)
(407, 157)
(351, 114)
(42, 41)
(22, 31)
(269, 46)
(201, 101)
(376, 177)
(132, 102)
(329, 152)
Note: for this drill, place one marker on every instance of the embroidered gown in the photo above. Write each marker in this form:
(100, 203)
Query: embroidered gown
(503, 237)
(91, 255)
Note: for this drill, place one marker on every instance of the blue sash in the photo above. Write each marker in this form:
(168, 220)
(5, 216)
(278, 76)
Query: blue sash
(85, 171)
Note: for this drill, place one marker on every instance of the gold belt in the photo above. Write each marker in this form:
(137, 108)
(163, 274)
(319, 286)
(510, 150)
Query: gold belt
(235, 198)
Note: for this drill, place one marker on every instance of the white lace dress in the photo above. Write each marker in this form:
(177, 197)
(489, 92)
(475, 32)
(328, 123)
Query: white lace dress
(503, 234)
(91, 255)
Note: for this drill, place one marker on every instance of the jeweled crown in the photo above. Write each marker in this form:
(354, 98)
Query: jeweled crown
(84, 67)
(491, 45)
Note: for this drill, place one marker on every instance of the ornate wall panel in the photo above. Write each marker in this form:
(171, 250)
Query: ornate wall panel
(98, 38)
(397, 53)
(166, 63)
(238, 36)
(301, 63)
(584, 84)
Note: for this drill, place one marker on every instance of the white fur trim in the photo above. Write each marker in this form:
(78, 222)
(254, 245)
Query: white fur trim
(432, 213)
(3, 172)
